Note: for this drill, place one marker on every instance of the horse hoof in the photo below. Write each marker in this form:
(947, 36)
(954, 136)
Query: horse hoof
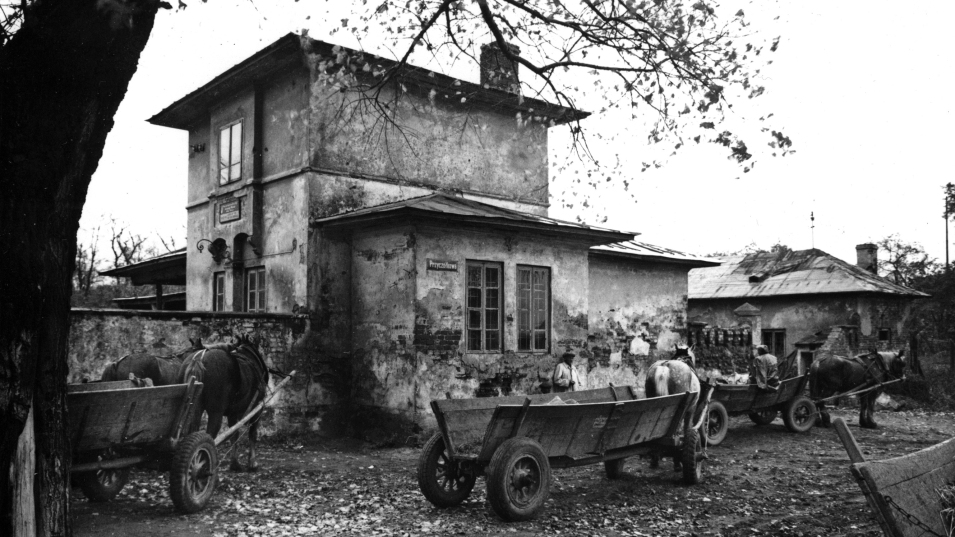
(236, 466)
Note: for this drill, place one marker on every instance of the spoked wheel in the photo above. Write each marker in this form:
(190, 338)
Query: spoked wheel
(518, 480)
(102, 485)
(763, 417)
(440, 478)
(192, 479)
(693, 457)
(800, 414)
(717, 423)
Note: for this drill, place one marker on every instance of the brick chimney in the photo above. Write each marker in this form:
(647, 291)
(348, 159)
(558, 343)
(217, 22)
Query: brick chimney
(497, 71)
(867, 257)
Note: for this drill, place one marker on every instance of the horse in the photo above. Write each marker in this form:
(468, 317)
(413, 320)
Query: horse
(670, 377)
(161, 370)
(234, 381)
(833, 375)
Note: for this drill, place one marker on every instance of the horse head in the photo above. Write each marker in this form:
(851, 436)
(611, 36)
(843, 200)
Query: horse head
(894, 363)
(685, 354)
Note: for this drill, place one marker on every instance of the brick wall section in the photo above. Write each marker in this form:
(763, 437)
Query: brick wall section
(98, 337)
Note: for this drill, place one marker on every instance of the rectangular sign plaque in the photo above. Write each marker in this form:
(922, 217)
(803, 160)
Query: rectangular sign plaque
(230, 210)
(448, 266)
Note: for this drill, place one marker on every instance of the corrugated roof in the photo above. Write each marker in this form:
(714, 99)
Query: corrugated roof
(643, 250)
(465, 210)
(802, 272)
(168, 268)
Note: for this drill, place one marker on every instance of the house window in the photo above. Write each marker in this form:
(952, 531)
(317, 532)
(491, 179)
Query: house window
(484, 306)
(533, 300)
(885, 334)
(218, 291)
(775, 340)
(230, 153)
(255, 289)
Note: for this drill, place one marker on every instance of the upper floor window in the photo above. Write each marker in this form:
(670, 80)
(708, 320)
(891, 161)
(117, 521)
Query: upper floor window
(218, 291)
(255, 289)
(484, 306)
(230, 153)
(533, 300)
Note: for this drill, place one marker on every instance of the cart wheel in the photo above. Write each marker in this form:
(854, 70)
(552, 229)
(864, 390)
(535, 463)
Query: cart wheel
(102, 485)
(763, 417)
(692, 457)
(441, 478)
(614, 468)
(518, 479)
(717, 423)
(800, 414)
(192, 479)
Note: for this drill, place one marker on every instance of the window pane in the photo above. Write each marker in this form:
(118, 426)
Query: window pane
(490, 277)
(474, 340)
(474, 298)
(235, 172)
(492, 340)
(474, 319)
(474, 276)
(540, 341)
(490, 320)
(224, 155)
(492, 298)
(524, 340)
(236, 154)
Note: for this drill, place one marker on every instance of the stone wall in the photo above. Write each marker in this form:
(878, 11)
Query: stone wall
(98, 337)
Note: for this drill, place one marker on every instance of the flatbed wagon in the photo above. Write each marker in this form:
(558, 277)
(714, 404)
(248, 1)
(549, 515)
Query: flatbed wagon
(762, 407)
(515, 441)
(116, 425)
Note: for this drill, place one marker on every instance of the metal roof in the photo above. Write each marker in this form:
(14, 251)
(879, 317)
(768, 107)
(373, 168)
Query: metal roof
(650, 252)
(287, 53)
(465, 210)
(168, 269)
(802, 272)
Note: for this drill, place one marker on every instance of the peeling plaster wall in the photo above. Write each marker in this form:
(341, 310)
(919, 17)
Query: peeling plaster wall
(98, 337)
(443, 142)
(285, 124)
(637, 316)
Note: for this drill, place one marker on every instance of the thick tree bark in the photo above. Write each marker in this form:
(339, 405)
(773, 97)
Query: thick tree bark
(62, 78)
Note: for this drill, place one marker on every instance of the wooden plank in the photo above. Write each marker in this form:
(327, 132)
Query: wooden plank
(848, 441)
(100, 386)
(132, 416)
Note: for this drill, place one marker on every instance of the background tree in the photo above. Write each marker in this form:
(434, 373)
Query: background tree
(904, 263)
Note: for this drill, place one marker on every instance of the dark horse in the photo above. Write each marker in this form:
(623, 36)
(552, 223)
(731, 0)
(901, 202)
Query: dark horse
(834, 375)
(234, 381)
(161, 370)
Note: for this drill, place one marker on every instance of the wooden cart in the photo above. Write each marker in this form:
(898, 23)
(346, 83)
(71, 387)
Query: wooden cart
(903, 491)
(116, 425)
(518, 440)
(799, 412)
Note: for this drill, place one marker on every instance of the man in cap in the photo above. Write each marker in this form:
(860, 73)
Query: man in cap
(565, 375)
(764, 369)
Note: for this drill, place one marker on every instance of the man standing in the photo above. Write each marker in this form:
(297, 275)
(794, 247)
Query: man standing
(565, 375)
(764, 370)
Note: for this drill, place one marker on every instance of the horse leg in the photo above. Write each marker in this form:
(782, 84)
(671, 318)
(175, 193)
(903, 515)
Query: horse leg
(234, 463)
(823, 419)
(866, 409)
(253, 466)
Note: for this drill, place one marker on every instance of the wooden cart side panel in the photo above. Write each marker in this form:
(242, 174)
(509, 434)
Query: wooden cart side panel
(911, 482)
(576, 431)
(100, 386)
(740, 398)
(132, 417)
(787, 390)
(466, 420)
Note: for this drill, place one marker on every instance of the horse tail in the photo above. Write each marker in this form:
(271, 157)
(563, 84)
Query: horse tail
(192, 366)
(658, 379)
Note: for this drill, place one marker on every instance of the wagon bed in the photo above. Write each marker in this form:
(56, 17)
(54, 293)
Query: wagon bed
(901, 491)
(760, 405)
(515, 441)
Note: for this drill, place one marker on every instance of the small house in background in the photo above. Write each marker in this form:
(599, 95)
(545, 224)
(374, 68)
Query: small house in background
(804, 301)
(168, 269)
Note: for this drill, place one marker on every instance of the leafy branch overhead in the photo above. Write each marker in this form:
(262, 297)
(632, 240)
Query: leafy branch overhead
(677, 65)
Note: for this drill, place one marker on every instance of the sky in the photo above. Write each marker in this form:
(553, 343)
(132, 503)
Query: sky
(861, 88)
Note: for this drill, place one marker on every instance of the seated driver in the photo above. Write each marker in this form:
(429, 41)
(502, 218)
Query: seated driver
(764, 369)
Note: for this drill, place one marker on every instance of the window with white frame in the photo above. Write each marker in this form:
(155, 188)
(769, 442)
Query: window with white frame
(230, 153)
(218, 291)
(255, 289)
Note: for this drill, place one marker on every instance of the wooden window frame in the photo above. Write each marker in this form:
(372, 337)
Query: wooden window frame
(235, 158)
(777, 351)
(532, 314)
(218, 291)
(257, 305)
(482, 310)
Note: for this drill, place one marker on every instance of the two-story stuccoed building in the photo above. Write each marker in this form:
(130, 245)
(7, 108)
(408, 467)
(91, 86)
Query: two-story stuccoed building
(411, 232)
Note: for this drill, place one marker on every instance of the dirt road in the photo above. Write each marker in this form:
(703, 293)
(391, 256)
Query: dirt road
(760, 481)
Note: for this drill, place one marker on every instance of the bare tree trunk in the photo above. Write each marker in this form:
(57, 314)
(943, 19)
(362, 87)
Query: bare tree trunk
(62, 77)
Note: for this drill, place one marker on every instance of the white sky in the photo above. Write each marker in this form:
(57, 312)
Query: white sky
(862, 88)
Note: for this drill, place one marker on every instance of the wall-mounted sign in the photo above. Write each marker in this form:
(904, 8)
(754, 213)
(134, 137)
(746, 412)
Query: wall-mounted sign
(449, 266)
(230, 210)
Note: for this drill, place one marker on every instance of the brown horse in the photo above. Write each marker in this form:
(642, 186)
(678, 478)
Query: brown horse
(234, 380)
(833, 375)
(161, 370)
